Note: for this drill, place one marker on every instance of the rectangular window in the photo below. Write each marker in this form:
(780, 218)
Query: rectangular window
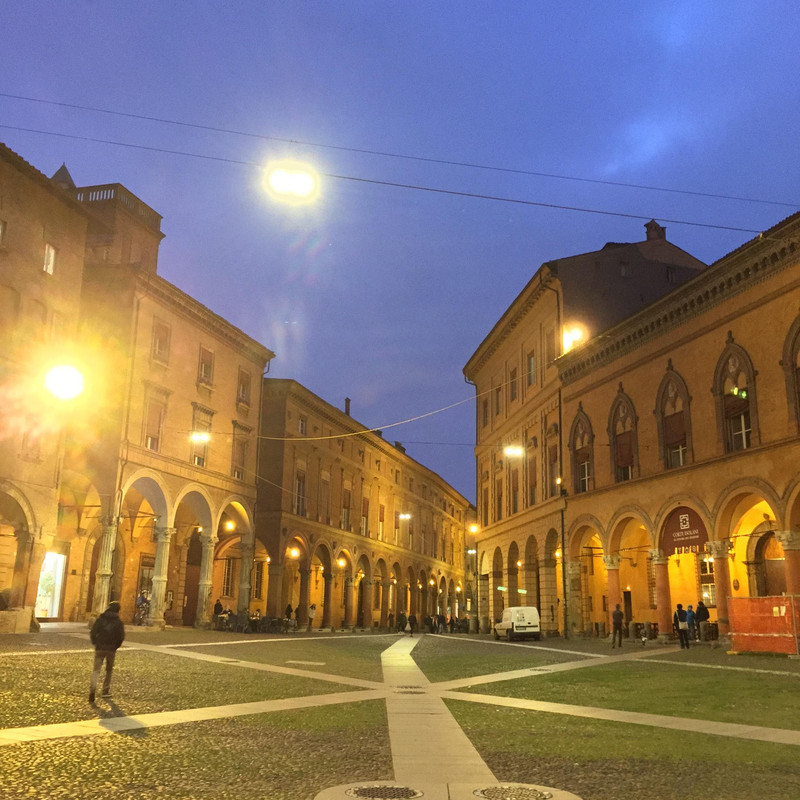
(239, 458)
(205, 366)
(346, 509)
(673, 276)
(485, 508)
(498, 400)
(624, 269)
(257, 581)
(584, 471)
(364, 516)
(144, 584)
(381, 516)
(153, 423)
(243, 388)
(498, 500)
(512, 385)
(531, 369)
(227, 577)
(514, 491)
(49, 258)
(623, 455)
(2, 233)
(737, 422)
(550, 347)
(325, 499)
(531, 481)
(160, 344)
(302, 425)
(485, 412)
(396, 527)
(674, 440)
(300, 493)
(553, 473)
(200, 436)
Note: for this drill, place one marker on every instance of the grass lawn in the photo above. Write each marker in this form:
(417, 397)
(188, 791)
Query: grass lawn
(55, 687)
(351, 656)
(443, 658)
(674, 690)
(288, 756)
(600, 760)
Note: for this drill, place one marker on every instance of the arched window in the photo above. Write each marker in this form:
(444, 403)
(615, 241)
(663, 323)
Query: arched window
(791, 371)
(581, 442)
(673, 420)
(622, 438)
(735, 395)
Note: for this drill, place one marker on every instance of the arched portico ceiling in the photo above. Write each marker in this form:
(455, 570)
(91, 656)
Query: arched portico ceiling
(497, 560)
(584, 533)
(531, 549)
(152, 489)
(627, 522)
(322, 553)
(15, 510)
(381, 570)
(513, 555)
(193, 507)
(738, 500)
(792, 505)
(363, 566)
(552, 542)
(236, 509)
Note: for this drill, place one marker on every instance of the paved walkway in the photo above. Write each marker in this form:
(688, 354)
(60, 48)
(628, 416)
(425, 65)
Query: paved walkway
(415, 708)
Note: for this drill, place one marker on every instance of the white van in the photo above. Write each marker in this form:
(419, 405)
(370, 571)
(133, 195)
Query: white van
(518, 621)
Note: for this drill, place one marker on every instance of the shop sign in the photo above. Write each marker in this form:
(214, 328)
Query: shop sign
(683, 532)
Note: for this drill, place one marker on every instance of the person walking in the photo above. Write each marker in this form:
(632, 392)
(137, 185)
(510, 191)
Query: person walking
(107, 634)
(312, 612)
(690, 619)
(681, 626)
(700, 616)
(617, 618)
(412, 623)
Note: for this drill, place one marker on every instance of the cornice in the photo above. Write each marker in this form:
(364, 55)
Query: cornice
(753, 263)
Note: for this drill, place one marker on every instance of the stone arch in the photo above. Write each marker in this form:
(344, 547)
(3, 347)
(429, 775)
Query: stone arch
(791, 371)
(532, 572)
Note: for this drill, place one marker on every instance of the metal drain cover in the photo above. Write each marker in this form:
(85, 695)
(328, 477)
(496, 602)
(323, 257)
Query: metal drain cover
(380, 792)
(512, 793)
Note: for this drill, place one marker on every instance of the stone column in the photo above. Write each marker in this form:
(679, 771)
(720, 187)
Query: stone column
(572, 596)
(245, 573)
(22, 565)
(722, 582)
(549, 598)
(275, 606)
(663, 598)
(386, 588)
(102, 578)
(327, 582)
(513, 585)
(365, 588)
(305, 592)
(163, 536)
(790, 541)
(349, 620)
(613, 592)
(204, 605)
(483, 602)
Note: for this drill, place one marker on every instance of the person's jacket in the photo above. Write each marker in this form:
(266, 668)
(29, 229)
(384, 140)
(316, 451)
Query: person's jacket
(108, 632)
(679, 616)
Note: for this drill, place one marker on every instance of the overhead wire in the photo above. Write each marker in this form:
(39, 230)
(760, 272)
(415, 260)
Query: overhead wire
(389, 154)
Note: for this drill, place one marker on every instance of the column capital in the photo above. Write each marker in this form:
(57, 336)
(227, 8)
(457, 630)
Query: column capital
(612, 562)
(790, 540)
(163, 534)
(657, 557)
(718, 549)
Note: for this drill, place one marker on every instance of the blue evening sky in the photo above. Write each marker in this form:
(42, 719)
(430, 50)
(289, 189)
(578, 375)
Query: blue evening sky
(379, 293)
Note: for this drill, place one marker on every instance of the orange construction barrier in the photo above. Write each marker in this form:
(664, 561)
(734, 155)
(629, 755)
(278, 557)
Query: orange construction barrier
(765, 624)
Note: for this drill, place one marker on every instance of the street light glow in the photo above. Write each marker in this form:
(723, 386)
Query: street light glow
(513, 451)
(292, 182)
(200, 437)
(64, 382)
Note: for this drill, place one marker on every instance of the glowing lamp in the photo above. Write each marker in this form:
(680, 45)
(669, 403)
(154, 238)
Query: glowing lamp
(64, 382)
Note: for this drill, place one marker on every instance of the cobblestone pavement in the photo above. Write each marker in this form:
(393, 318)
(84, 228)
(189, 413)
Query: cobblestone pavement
(193, 722)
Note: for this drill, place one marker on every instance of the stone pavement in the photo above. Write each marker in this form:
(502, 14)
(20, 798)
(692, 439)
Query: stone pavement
(415, 709)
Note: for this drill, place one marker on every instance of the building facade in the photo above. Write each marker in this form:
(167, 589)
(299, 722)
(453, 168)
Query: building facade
(42, 242)
(682, 444)
(519, 414)
(349, 523)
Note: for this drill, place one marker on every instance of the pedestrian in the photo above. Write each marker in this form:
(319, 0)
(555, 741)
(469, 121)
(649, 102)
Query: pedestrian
(217, 607)
(452, 623)
(390, 621)
(107, 635)
(288, 612)
(412, 623)
(701, 615)
(617, 618)
(312, 612)
(690, 619)
(401, 622)
(681, 626)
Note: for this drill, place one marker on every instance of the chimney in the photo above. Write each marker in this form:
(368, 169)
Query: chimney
(655, 231)
(347, 406)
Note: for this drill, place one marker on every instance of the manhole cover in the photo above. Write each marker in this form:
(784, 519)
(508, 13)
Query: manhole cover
(375, 792)
(512, 793)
